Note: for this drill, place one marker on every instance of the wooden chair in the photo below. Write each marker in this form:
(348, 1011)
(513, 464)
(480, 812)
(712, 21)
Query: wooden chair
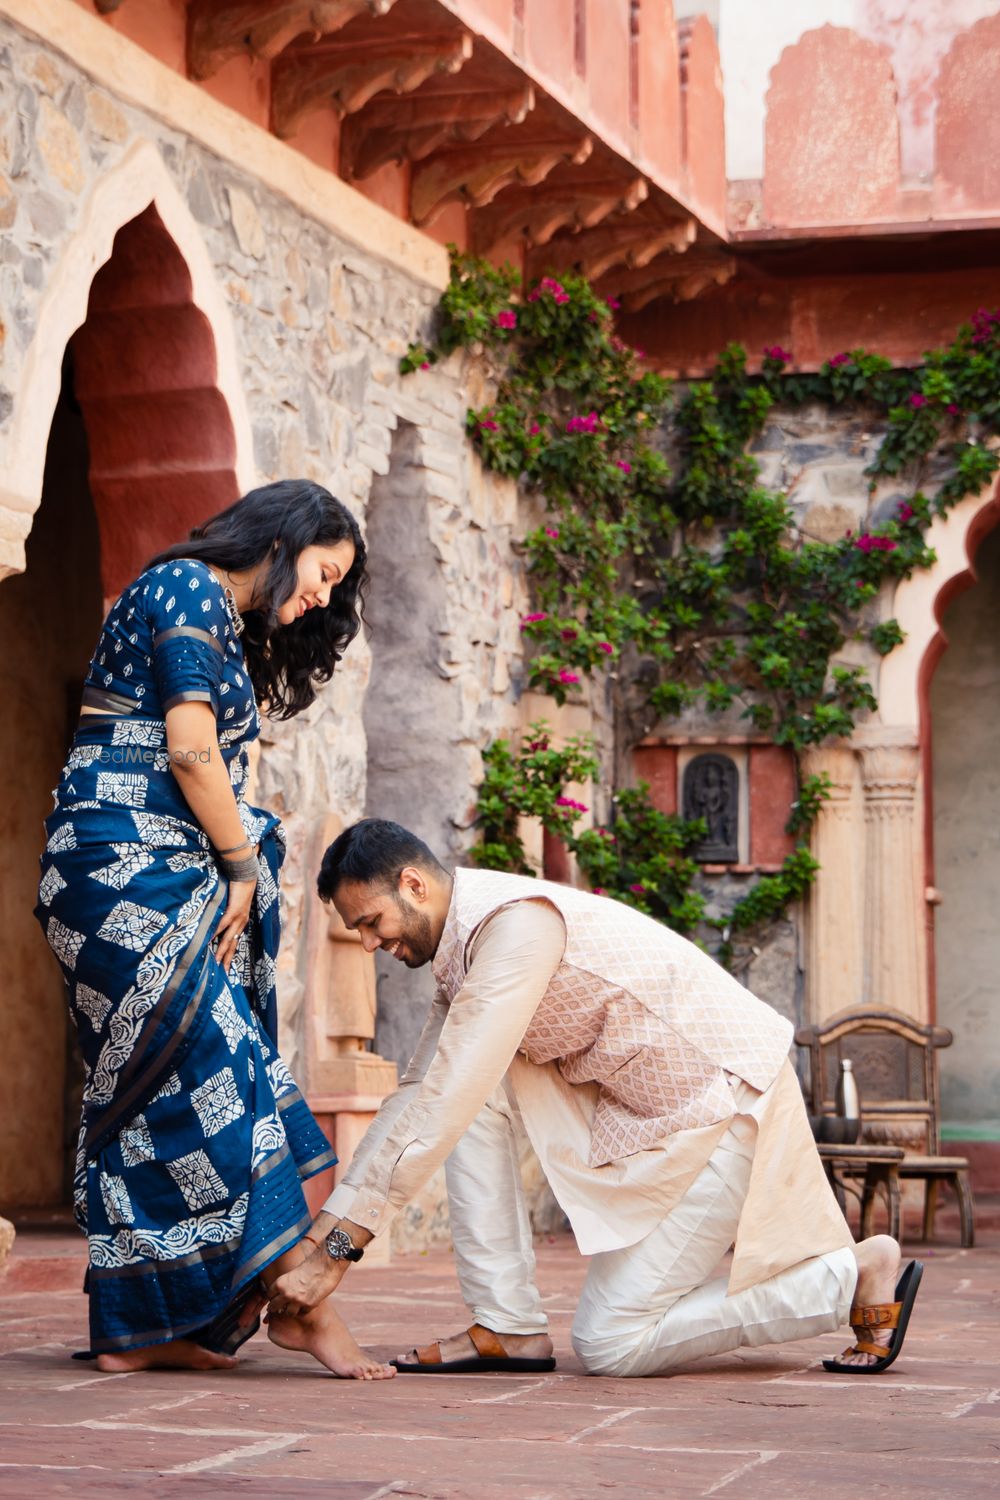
(895, 1064)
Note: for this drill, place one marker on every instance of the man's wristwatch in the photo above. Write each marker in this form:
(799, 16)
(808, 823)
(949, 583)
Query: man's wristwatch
(339, 1247)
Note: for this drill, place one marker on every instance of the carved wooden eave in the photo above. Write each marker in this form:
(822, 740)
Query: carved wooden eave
(569, 202)
(219, 30)
(632, 244)
(445, 110)
(474, 175)
(347, 73)
(679, 278)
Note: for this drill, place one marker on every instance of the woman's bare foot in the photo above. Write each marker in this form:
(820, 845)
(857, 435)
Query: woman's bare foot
(460, 1346)
(878, 1271)
(178, 1354)
(324, 1334)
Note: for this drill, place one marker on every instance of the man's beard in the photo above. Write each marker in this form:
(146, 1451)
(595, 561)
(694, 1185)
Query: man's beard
(417, 937)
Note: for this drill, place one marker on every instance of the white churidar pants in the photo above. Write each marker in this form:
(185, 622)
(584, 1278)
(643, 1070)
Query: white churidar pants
(649, 1307)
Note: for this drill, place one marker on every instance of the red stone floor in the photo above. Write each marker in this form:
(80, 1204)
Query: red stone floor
(759, 1425)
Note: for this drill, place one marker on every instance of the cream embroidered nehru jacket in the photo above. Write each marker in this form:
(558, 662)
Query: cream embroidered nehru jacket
(629, 1051)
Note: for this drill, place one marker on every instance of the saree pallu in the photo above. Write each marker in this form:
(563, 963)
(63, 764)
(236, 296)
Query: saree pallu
(194, 1139)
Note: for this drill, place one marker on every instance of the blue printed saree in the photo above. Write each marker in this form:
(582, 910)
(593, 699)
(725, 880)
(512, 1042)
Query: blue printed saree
(194, 1140)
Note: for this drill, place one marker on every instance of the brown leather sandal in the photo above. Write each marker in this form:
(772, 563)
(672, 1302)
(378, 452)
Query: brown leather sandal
(490, 1356)
(894, 1315)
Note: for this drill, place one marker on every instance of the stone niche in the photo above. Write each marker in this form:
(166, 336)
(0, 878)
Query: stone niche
(743, 788)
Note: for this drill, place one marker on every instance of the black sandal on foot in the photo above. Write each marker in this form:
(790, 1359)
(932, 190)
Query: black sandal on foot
(894, 1315)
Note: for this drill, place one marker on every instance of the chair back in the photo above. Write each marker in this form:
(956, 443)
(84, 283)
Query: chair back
(895, 1064)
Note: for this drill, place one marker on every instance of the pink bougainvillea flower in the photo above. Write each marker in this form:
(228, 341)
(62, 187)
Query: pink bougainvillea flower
(775, 351)
(568, 677)
(533, 429)
(425, 364)
(537, 745)
(506, 319)
(638, 889)
(533, 619)
(917, 400)
(953, 409)
(555, 289)
(573, 806)
(639, 353)
(606, 647)
(982, 320)
(598, 890)
(840, 359)
(905, 512)
(569, 635)
(613, 303)
(590, 423)
(489, 425)
(624, 465)
(868, 543)
(553, 532)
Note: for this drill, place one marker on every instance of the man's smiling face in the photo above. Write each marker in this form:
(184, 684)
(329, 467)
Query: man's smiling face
(397, 920)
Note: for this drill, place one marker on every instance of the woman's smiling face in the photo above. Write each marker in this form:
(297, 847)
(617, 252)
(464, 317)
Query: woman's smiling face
(320, 569)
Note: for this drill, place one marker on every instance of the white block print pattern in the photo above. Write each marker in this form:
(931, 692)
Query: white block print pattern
(129, 925)
(199, 1182)
(228, 1019)
(93, 1004)
(117, 1203)
(131, 860)
(217, 1102)
(172, 1086)
(64, 942)
(130, 1246)
(268, 1137)
(63, 838)
(136, 1142)
(123, 787)
(52, 883)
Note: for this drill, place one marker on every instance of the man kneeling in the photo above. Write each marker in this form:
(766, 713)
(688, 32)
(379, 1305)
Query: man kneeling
(659, 1099)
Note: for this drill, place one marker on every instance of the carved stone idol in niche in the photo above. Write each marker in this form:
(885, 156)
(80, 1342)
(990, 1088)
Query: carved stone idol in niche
(712, 792)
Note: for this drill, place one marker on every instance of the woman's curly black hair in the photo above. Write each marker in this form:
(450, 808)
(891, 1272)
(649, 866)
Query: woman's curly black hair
(287, 663)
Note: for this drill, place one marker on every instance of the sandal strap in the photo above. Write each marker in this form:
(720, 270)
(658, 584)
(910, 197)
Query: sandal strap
(863, 1346)
(430, 1354)
(487, 1345)
(877, 1315)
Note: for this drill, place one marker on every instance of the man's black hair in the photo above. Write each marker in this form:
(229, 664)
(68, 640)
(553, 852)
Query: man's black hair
(375, 852)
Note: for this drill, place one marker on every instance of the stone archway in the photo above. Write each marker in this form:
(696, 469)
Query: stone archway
(139, 185)
(130, 428)
(870, 919)
(963, 720)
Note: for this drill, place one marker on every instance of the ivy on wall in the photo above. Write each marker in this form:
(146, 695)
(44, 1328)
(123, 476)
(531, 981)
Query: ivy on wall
(664, 561)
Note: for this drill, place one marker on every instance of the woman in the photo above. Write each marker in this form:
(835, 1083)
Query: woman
(159, 897)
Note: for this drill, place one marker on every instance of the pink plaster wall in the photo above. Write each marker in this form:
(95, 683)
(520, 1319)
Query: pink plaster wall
(549, 37)
(659, 89)
(772, 792)
(657, 765)
(158, 26)
(831, 135)
(608, 40)
(967, 141)
(703, 112)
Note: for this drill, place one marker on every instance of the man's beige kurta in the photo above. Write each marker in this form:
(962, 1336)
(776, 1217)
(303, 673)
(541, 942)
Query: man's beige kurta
(629, 1052)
